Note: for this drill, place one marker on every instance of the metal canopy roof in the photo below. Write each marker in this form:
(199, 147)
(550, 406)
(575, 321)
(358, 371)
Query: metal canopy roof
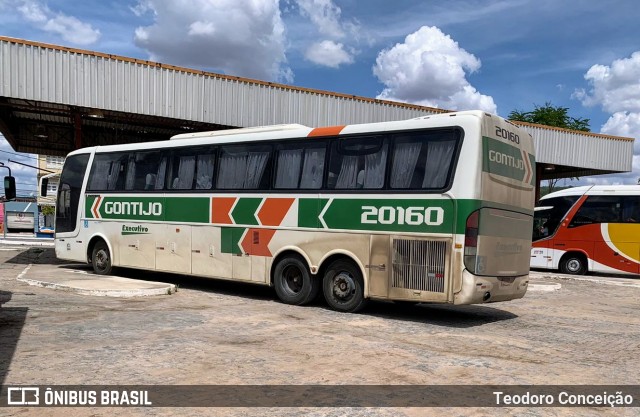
(55, 99)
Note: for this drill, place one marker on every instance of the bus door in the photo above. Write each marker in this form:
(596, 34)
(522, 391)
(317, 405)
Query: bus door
(137, 245)
(541, 256)
(173, 253)
(208, 254)
(230, 252)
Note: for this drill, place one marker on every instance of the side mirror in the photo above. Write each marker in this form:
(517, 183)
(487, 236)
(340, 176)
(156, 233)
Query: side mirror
(9, 188)
(44, 182)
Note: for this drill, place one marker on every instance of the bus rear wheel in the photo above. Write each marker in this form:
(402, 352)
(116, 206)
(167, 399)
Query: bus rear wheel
(101, 258)
(573, 264)
(343, 287)
(293, 282)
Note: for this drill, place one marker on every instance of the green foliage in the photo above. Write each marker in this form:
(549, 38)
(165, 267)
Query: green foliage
(48, 210)
(550, 115)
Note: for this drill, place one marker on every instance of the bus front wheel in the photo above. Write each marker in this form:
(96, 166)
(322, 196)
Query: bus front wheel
(293, 282)
(343, 287)
(101, 258)
(573, 264)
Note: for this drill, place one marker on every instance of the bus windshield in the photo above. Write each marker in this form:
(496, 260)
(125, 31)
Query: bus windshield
(547, 217)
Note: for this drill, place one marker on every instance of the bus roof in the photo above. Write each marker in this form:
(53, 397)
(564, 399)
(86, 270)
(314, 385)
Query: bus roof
(596, 190)
(296, 131)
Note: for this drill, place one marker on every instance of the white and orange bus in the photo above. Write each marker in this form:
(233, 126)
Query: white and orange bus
(588, 229)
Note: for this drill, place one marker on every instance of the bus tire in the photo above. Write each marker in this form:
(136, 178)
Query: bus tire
(574, 264)
(101, 258)
(293, 282)
(343, 287)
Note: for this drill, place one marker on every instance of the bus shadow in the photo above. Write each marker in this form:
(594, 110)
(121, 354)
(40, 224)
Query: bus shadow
(435, 314)
(12, 321)
(35, 256)
(439, 315)
(210, 285)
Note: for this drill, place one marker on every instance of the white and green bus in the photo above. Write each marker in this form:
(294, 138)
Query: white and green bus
(433, 209)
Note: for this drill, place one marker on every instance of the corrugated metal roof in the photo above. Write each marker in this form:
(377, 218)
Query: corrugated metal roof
(581, 149)
(55, 74)
(87, 79)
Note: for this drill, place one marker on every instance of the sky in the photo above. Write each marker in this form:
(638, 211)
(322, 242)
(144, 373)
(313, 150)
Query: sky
(494, 55)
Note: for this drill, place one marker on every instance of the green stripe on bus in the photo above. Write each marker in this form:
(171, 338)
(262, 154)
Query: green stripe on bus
(390, 215)
(308, 211)
(503, 159)
(245, 210)
(187, 209)
(411, 215)
(532, 162)
(230, 239)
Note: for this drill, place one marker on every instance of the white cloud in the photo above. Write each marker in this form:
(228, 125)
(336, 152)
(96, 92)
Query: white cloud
(69, 28)
(202, 28)
(328, 53)
(240, 37)
(430, 68)
(623, 124)
(326, 18)
(143, 7)
(324, 15)
(616, 87)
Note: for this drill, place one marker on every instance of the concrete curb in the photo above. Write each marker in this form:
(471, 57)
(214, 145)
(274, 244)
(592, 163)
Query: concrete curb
(544, 287)
(103, 287)
(47, 243)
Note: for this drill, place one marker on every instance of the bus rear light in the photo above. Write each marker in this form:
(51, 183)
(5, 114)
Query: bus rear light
(471, 241)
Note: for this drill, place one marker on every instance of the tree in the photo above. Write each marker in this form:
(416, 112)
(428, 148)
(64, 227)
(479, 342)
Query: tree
(48, 210)
(555, 116)
(550, 115)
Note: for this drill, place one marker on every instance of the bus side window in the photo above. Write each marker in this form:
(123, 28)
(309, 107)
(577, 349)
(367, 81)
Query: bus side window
(191, 169)
(244, 167)
(299, 166)
(631, 209)
(107, 172)
(142, 169)
(422, 161)
(598, 209)
(358, 163)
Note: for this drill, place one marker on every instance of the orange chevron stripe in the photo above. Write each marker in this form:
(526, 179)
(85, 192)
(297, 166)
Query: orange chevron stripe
(273, 211)
(256, 242)
(94, 209)
(326, 131)
(220, 208)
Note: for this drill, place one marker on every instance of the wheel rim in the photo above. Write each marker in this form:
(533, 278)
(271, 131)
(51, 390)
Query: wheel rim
(574, 265)
(343, 286)
(293, 280)
(102, 259)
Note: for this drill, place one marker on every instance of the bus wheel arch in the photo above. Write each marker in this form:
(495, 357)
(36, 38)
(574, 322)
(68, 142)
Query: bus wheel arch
(574, 263)
(100, 255)
(343, 283)
(292, 279)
